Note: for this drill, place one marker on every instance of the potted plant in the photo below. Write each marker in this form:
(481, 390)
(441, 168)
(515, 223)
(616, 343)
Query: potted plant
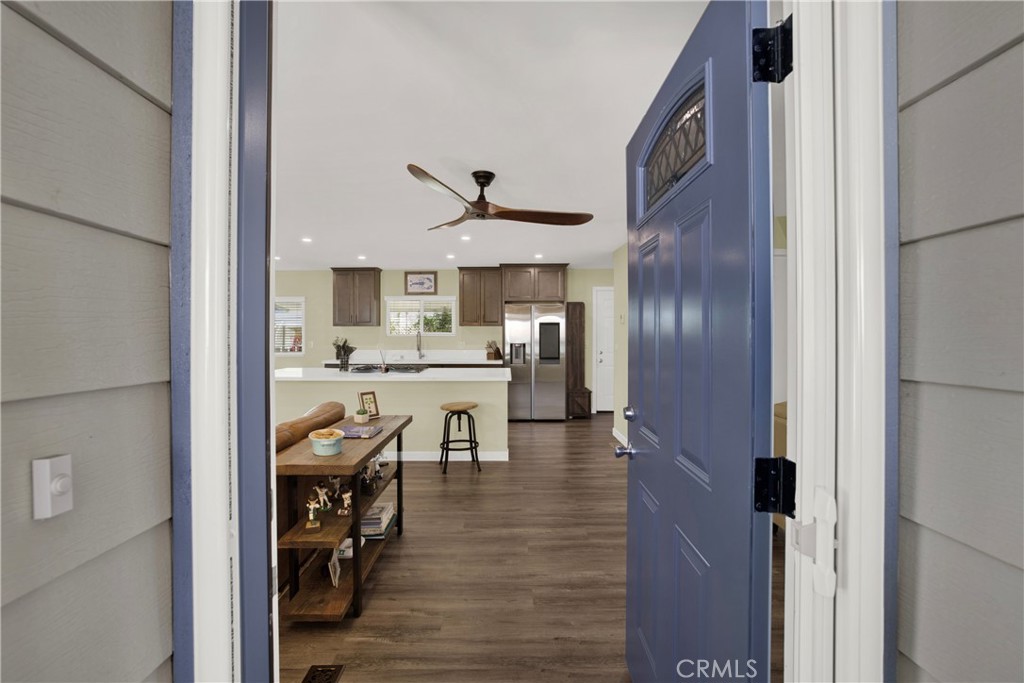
(342, 350)
(362, 416)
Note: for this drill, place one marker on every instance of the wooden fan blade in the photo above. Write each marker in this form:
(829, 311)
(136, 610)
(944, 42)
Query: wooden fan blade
(461, 219)
(435, 184)
(545, 217)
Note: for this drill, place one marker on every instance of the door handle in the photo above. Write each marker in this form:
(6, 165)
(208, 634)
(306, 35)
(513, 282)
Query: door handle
(629, 412)
(628, 451)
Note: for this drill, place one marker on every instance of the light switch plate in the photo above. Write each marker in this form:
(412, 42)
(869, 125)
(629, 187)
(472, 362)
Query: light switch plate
(51, 486)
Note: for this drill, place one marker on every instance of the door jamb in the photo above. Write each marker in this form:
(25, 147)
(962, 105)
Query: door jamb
(593, 356)
(811, 303)
(868, 324)
(843, 326)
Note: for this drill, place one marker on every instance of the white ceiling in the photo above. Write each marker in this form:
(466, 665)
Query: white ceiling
(546, 95)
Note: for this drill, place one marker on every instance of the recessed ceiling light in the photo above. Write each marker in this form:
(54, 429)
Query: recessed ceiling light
(277, 258)
(307, 239)
(465, 238)
(361, 257)
(451, 256)
(538, 256)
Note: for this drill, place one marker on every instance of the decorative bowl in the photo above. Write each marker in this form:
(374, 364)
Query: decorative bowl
(326, 441)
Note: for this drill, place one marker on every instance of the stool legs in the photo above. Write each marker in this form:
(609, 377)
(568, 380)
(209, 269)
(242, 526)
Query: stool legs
(472, 445)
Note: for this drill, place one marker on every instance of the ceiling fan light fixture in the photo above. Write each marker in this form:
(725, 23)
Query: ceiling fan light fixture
(481, 209)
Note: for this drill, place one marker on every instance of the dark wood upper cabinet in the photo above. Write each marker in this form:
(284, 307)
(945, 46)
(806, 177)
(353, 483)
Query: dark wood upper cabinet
(480, 301)
(534, 283)
(356, 297)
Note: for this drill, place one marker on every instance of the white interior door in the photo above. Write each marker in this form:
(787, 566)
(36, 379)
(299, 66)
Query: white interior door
(604, 349)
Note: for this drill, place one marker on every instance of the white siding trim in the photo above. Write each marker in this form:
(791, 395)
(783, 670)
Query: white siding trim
(214, 533)
(861, 332)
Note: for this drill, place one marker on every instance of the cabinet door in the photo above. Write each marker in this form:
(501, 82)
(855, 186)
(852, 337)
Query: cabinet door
(344, 288)
(366, 302)
(356, 296)
(518, 283)
(470, 296)
(549, 283)
(492, 303)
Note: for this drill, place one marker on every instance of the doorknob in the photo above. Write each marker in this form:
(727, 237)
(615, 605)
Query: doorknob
(625, 450)
(629, 412)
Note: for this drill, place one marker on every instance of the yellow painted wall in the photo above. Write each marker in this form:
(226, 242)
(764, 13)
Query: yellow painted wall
(316, 286)
(580, 287)
(620, 277)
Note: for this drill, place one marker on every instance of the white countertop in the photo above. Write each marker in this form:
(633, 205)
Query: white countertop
(429, 375)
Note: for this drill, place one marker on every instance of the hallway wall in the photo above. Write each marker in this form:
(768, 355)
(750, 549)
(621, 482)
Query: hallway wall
(961, 161)
(86, 219)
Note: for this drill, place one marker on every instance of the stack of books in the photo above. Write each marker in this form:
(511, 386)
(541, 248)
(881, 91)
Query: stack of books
(378, 520)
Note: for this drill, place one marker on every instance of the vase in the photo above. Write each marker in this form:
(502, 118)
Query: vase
(361, 419)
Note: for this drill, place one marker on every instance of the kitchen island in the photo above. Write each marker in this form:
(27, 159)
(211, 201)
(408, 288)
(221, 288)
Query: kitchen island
(419, 394)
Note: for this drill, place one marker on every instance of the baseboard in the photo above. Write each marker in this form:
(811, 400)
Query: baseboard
(433, 456)
(619, 437)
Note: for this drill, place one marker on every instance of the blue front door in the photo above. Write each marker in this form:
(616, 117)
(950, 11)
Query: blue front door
(698, 568)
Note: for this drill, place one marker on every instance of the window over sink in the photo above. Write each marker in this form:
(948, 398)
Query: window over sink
(430, 316)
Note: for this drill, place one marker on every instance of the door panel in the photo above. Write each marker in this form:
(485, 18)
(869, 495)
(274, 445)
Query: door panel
(699, 360)
(604, 327)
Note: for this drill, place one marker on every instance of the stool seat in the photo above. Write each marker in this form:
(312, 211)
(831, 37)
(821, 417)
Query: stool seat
(459, 405)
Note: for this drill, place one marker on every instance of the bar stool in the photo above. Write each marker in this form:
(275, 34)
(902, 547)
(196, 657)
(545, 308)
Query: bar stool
(457, 409)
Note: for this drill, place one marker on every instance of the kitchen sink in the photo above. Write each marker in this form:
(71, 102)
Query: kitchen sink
(407, 368)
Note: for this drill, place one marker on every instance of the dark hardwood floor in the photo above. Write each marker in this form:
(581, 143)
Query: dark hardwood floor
(516, 573)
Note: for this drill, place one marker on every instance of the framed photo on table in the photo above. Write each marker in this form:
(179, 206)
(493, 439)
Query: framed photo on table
(368, 400)
(421, 282)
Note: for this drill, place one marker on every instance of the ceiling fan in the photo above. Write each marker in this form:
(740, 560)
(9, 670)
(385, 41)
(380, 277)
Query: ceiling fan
(481, 209)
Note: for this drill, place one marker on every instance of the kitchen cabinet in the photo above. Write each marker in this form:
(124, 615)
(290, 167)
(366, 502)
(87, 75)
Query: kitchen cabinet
(534, 283)
(480, 301)
(356, 297)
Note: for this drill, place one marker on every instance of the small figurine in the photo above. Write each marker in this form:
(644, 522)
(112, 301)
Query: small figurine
(313, 505)
(346, 504)
(334, 483)
(322, 497)
(368, 482)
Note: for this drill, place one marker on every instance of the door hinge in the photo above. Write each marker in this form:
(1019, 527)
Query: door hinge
(775, 485)
(772, 52)
(817, 541)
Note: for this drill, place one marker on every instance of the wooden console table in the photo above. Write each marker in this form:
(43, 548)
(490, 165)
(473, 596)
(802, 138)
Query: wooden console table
(317, 599)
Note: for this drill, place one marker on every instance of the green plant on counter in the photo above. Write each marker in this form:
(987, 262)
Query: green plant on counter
(342, 347)
(362, 411)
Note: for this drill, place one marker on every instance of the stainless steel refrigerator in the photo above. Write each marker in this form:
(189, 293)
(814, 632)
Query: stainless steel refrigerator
(535, 353)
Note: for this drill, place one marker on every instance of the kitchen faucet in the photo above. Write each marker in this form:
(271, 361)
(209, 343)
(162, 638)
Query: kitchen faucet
(419, 344)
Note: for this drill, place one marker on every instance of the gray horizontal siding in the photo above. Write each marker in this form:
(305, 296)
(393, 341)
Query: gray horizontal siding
(85, 355)
(960, 152)
(76, 141)
(138, 57)
(962, 308)
(121, 467)
(941, 40)
(961, 159)
(959, 610)
(110, 620)
(962, 444)
(84, 309)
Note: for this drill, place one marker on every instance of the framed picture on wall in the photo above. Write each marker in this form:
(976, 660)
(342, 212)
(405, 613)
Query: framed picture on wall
(421, 282)
(368, 400)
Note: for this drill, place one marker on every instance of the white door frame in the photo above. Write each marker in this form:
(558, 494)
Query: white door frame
(593, 356)
(842, 333)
